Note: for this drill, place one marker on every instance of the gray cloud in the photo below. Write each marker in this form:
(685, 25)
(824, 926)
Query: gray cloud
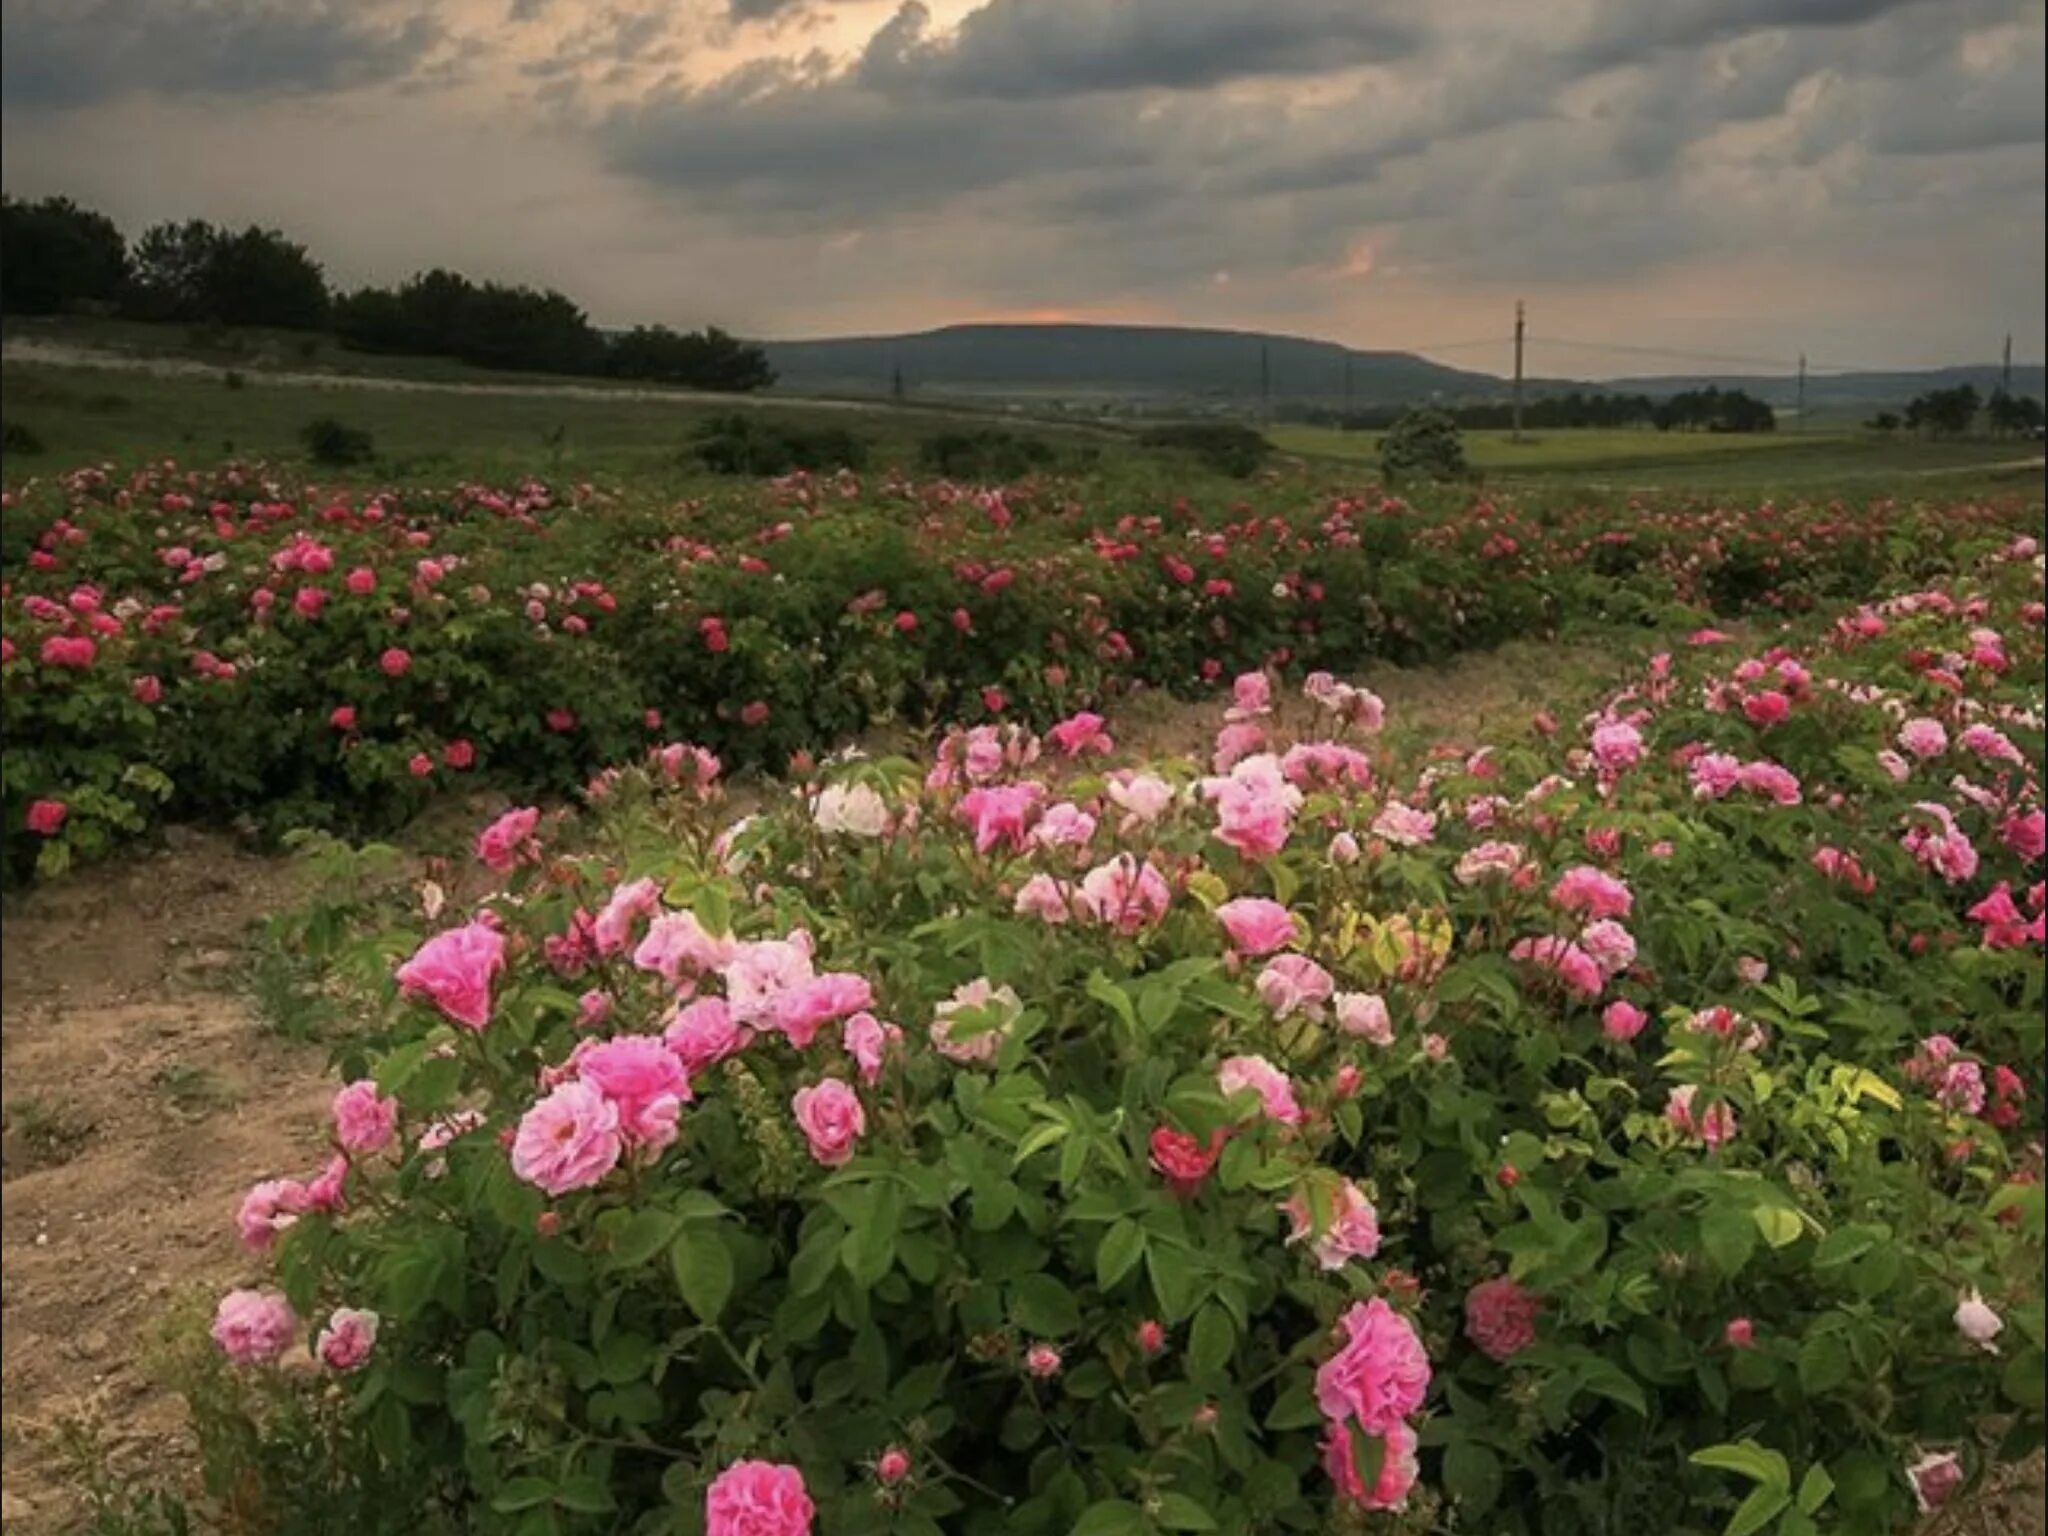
(64, 53)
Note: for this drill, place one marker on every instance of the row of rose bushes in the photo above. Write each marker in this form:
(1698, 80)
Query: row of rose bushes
(214, 645)
(1636, 1131)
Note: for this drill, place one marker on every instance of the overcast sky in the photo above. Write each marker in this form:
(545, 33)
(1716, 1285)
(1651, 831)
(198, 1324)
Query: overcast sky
(1860, 179)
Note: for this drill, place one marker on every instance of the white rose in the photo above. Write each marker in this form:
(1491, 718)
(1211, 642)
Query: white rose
(853, 809)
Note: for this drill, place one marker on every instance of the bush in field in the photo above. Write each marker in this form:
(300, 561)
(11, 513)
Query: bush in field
(1223, 447)
(748, 445)
(986, 455)
(1638, 1133)
(330, 443)
(1423, 445)
(17, 438)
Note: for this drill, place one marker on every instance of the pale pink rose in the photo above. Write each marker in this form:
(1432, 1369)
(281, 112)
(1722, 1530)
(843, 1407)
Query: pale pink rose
(254, 1327)
(593, 1009)
(268, 1209)
(632, 901)
(1436, 1047)
(1488, 859)
(868, 1041)
(704, 1033)
(1751, 971)
(1404, 826)
(1961, 1088)
(1326, 765)
(1256, 926)
(1081, 733)
(1255, 805)
(345, 1343)
(1500, 1317)
(2026, 834)
(892, 1466)
(1398, 1467)
(1353, 1232)
(1978, 1323)
(453, 971)
(758, 1498)
(1125, 894)
(1622, 1021)
(1294, 984)
(1617, 745)
(507, 840)
(1001, 814)
(1379, 1375)
(1257, 1075)
(1344, 849)
(1250, 694)
(1923, 738)
(1042, 1361)
(1772, 780)
(1713, 1127)
(831, 1119)
(1144, 796)
(1050, 901)
(760, 973)
(1895, 765)
(569, 1140)
(1612, 946)
(327, 1191)
(364, 1120)
(1578, 971)
(1740, 1333)
(1935, 1478)
(1365, 1015)
(1235, 743)
(1583, 888)
(982, 998)
(1990, 743)
(1715, 775)
(643, 1078)
(805, 1009)
(1064, 825)
(678, 947)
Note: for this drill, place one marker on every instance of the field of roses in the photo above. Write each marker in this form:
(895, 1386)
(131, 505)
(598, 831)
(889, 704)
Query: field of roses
(231, 644)
(1636, 1131)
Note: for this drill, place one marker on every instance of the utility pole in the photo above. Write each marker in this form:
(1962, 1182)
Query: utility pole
(1517, 435)
(2005, 369)
(1265, 385)
(1800, 411)
(1347, 390)
(896, 383)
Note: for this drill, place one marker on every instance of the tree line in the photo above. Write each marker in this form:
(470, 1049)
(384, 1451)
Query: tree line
(1695, 410)
(1954, 412)
(59, 258)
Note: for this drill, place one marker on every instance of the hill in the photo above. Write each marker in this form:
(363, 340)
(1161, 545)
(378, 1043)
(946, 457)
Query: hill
(1130, 361)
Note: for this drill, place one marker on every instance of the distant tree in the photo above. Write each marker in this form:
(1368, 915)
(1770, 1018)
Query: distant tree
(1714, 409)
(2012, 415)
(56, 256)
(258, 277)
(707, 359)
(170, 269)
(1883, 421)
(1943, 412)
(1423, 445)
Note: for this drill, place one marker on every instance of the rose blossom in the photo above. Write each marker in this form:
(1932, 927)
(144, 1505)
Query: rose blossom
(1714, 1126)
(758, 1498)
(980, 996)
(1977, 1322)
(505, 841)
(1183, 1161)
(253, 1327)
(1353, 1232)
(453, 971)
(831, 1119)
(345, 1343)
(569, 1140)
(1257, 1075)
(1397, 1467)
(1365, 1015)
(364, 1120)
(1935, 1479)
(1379, 1375)
(1255, 925)
(1500, 1317)
(1294, 984)
(1042, 1361)
(644, 1078)
(1621, 1021)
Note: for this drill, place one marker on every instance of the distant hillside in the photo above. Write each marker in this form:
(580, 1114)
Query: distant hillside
(1157, 362)
(1162, 364)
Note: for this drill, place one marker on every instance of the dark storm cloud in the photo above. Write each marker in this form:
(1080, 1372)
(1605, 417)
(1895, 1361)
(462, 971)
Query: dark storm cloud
(64, 53)
(1623, 31)
(1027, 48)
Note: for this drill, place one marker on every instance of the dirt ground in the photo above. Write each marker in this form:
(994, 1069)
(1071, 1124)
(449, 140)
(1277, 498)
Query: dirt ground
(143, 1097)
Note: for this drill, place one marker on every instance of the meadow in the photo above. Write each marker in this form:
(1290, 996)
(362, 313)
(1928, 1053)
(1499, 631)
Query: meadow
(1123, 1000)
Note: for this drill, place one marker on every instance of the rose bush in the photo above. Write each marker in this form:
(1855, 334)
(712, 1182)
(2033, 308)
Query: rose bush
(1637, 1133)
(228, 644)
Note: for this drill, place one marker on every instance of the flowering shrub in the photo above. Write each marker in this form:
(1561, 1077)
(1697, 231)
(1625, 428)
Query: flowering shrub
(226, 644)
(1596, 1139)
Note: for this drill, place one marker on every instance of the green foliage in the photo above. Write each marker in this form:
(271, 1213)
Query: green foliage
(336, 446)
(753, 445)
(707, 359)
(1222, 447)
(57, 257)
(986, 454)
(18, 438)
(1423, 445)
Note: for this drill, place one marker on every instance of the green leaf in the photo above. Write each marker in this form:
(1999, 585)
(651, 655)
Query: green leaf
(1815, 1488)
(586, 1494)
(1471, 1475)
(1211, 1341)
(1778, 1225)
(1178, 1512)
(1041, 1304)
(1295, 1408)
(1729, 1237)
(522, 1493)
(2021, 1381)
(640, 1238)
(1823, 1363)
(1763, 1505)
(1118, 1253)
(1747, 1459)
(703, 1272)
(1111, 1517)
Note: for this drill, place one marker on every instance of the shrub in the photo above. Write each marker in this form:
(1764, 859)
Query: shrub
(748, 445)
(1423, 445)
(330, 443)
(18, 438)
(1560, 1140)
(988, 454)
(1224, 447)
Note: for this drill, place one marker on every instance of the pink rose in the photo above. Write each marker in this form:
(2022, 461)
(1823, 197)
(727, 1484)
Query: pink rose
(1294, 984)
(1000, 814)
(1766, 708)
(1081, 733)
(569, 1140)
(394, 662)
(999, 1007)
(803, 1010)
(1578, 971)
(1183, 1161)
(762, 972)
(643, 1077)
(758, 1498)
(1125, 893)
(1365, 1014)
(268, 1209)
(1612, 946)
(364, 1120)
(253, 1327)
(1353, 1232)
(892, 1466)
(704, 1033)
(1923, 738)
(678, 948)
(1713, 1126)
(1616, 746)
(1593, 892)
(1050, 901)
(1935, 1479)
(1404, 826)
(1256, 926)
(1250, 694)
(1235, 743)
(1064, 825)
(1151, 1337)
(505, 841)
(1042, 1361)
(1379, 1375)
(868, 1040)
(1255, 1074)
(1397, 1467)
(46, 817)
(627, 904)
(1740, 1333)
(1500, 1317)
(831, 1119)
(453, 971)
(1621, 1021)
(345, 1343)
